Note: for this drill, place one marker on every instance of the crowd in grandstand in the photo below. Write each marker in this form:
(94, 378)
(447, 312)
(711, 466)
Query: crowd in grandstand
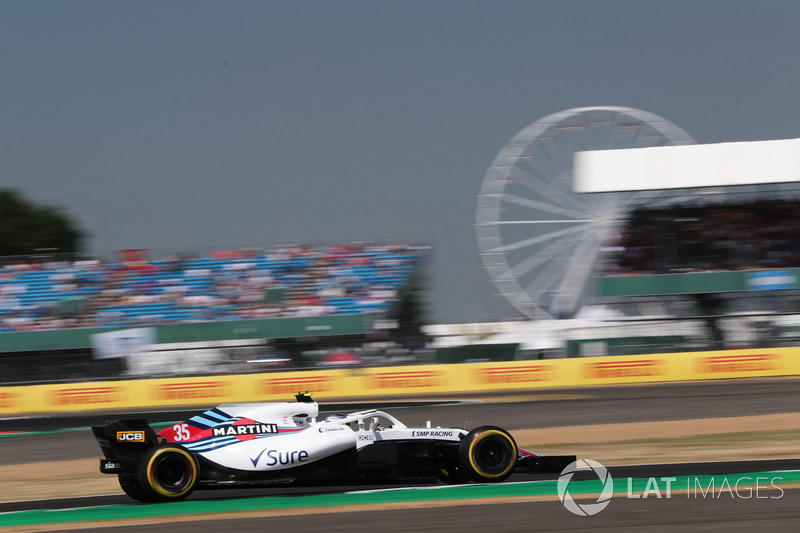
(292, 281)
(762, 234)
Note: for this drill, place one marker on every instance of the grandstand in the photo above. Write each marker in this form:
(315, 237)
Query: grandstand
(759, 234)
(286, 282)
(725, 250)
(286, 300)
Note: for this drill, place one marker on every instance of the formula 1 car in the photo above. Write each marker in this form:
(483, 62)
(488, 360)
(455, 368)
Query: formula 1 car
(258, 444)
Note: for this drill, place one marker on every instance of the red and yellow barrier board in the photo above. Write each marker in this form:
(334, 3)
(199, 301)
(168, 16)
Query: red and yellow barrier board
(398, 381)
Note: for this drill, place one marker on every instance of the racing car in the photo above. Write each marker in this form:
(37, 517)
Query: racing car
(258, 444)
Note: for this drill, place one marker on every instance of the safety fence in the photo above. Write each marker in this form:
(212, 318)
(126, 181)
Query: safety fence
(385, 382)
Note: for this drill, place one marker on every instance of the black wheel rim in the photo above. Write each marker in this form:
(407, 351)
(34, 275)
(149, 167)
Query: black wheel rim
(171, 471)
(492, 455)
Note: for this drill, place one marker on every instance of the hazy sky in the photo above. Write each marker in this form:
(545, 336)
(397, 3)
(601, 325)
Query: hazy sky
(185, 123)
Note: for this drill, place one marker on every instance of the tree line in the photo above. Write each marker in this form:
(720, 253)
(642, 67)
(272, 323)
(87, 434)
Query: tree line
(29, 228)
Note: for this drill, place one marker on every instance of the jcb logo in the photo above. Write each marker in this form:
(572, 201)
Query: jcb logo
(130, 436)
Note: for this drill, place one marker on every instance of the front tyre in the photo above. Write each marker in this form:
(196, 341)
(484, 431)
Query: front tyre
(167, 473)
(487, 454)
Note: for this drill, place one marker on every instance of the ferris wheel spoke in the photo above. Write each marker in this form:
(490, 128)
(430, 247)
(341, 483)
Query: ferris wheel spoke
(544, 159)
(611, 205)
(628, 134)
(646, 194)
(507, 222)
(598, 130)
(543, 283)
(611, 135)
(640, 140)
(639, 197)
(580, 267)
(539, 186)
(547, 253)
(536, 240)
(588, 137)
(545, 148)
(535, 204)
(674, 200)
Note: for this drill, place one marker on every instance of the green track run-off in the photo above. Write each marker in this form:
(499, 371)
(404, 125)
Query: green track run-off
(622, 486)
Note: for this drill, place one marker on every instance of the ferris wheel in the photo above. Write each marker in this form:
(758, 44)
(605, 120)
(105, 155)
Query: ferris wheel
(539, 240)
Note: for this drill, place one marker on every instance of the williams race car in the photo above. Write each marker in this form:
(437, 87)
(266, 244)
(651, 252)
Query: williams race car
(258, 444)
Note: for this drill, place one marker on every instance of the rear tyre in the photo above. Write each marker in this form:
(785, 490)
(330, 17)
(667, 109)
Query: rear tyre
(167, 473)
(487, 454)
(130, 486)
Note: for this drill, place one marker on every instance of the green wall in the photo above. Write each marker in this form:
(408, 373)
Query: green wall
(69, 339)
(699, 282)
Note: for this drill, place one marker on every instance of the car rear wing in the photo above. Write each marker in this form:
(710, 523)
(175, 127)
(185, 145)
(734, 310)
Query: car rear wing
(122, 442)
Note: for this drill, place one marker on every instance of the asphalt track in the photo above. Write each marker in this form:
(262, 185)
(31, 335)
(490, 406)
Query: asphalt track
(549, 408)
(738, 509)
(521, 410)
(617, 472)
(623, 515)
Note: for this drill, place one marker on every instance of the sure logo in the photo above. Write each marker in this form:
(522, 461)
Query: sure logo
(277, 457)
(130, 436)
